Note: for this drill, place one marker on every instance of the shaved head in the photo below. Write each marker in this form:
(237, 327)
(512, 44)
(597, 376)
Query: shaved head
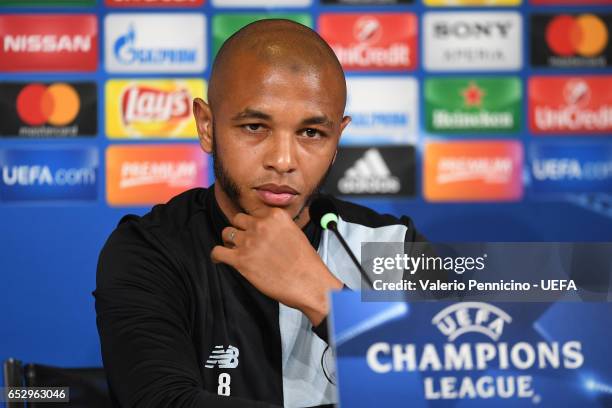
(274, 117)
(275, 42)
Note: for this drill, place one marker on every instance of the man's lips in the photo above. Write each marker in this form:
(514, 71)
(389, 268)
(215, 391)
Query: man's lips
(275, 194)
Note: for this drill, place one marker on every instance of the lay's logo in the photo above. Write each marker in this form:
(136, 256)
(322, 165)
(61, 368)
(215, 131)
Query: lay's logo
(151, 108)
(152, 174)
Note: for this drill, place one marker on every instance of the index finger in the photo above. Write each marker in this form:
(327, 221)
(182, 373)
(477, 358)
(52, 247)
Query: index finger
(242, 221)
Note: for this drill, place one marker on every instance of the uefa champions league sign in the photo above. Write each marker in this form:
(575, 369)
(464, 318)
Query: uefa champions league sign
(476, 354)
(475, 317)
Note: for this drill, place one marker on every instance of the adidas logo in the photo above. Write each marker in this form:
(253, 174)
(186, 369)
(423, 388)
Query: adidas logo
(223, 358)
(369, 175)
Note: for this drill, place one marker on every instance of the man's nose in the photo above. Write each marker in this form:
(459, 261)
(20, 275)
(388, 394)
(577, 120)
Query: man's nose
(281, 153)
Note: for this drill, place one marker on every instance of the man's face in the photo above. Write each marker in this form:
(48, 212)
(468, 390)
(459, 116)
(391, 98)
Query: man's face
(275, 134)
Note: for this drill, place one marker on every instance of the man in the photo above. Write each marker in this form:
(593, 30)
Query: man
(218, 298)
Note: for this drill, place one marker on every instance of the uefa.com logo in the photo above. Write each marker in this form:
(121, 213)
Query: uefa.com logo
(581, 167)
(484, 353)
(48, 174)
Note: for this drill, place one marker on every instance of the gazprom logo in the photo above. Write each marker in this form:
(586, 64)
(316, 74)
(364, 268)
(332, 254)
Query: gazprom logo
(128, 53)
(48, 174)
(471, 317)
(140, 42)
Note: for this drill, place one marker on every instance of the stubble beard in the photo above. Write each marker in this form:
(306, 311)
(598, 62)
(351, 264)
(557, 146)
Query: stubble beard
(232, 190)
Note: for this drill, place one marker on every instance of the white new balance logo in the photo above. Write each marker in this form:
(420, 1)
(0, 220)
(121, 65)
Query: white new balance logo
(224, 358)
(369, 175)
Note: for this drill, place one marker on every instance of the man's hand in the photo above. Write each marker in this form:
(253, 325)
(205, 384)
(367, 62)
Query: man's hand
(274, 255)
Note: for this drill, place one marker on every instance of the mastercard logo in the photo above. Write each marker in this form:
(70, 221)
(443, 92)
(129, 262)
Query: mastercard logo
(585, 35)
(56, 104)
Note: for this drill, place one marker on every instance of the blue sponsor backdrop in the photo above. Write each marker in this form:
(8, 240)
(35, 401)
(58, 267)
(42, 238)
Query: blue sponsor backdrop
(49, 250)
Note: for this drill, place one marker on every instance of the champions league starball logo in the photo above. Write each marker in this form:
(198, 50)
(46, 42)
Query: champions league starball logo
(493, 367)
(475, 317)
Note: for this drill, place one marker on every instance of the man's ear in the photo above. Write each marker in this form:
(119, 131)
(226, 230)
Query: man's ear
(204, 123)
(345, 122)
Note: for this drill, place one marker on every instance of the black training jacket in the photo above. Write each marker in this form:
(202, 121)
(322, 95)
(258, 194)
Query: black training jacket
(178, 331)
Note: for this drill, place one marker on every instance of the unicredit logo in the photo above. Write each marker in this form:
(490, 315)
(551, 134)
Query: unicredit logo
(57, 104)
(585, 35)
(373, 40)
(473, 30)
(577, 92)
(579, 110)
(146, 104)
(367, 29)
(127, 53)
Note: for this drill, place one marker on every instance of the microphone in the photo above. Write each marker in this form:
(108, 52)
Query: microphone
(323, 211)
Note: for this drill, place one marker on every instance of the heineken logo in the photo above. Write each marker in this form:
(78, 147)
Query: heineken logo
(472, 95)
(456, 105)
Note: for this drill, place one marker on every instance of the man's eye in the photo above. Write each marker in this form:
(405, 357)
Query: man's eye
(312, 132)
(253, 127)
